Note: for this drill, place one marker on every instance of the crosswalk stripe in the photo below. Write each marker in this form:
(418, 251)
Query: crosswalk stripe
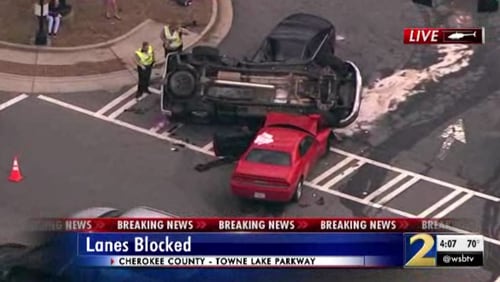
(439, 203)
(209, 146)
(125, 107)
(398, 191)
(453, 206)
(13, 101)
(155, 91)
(386, 186)
(333, 169)
(116, 101)
(344, 174)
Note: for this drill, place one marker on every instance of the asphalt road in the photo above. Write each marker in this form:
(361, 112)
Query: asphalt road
(72, 160)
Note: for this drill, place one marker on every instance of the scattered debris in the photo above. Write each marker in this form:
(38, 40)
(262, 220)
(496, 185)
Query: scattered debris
(211, 164)
(320, 201)
(174, 149)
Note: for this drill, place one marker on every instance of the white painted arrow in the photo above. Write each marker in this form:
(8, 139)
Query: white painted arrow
(454, 132)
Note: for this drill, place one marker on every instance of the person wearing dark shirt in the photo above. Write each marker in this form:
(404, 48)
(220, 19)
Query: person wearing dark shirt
(54, 17)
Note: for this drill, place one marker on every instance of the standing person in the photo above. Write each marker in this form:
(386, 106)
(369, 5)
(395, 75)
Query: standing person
(171, 37)
(54, 17)
(144, 58)
(112, 9)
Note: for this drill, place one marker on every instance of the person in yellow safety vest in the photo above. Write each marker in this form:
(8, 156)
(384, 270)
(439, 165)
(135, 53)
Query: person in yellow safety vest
(171, 35)
(145, 59)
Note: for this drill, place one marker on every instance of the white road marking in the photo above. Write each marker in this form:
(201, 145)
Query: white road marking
(124, 124)
(311, 185)
(13, 101)
(126, 106)
(331, 170)
(209, 146)
(398, 191)
(344, 174)
(386, 186)
(117, 101)
(159, 126)
(414, 174)
(498, 279)
(454, 132)
(155, 91)
(439, 204)
(454, 206)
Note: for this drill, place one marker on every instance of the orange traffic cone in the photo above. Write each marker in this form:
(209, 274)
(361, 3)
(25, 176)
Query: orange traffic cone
(15, 173)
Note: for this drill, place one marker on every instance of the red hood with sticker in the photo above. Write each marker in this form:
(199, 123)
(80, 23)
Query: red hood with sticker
(301, 122)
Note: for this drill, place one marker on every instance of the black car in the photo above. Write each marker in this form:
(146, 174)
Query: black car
(295, 70)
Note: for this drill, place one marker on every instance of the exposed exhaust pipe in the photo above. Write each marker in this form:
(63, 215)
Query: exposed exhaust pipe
(247, 84)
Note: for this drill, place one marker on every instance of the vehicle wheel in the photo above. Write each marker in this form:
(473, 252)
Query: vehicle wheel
(182, 84)
(298, 191)
(206, 53)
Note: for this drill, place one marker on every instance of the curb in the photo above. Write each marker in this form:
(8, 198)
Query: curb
(108, 43)
(105, 44)
(26, 82)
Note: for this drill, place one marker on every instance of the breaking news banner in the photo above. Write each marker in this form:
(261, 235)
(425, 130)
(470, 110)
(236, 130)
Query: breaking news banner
(261, 243)
(418, 35)
(246, 225)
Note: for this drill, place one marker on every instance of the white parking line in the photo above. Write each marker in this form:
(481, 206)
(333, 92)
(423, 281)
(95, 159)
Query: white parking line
(116, 101)
(398, 191)
(13, 101)
(331, 170)
(439, 204)
(343, 174)
(123, 124)
(386, 186)
(154, 91)
(454, 206)
(498, 279)
(209, 146)
(159, 126)
(311, 185)
(126, 106)
(421, 176)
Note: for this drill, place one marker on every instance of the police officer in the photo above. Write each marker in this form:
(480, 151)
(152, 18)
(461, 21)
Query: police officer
(145, 59)
(171, 36)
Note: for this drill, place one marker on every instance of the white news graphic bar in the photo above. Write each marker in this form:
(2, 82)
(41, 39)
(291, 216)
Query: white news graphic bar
(386, 186)
(239, 261)
(343, 174)
(13, 101)
(454, 206)
(398, 191)
(439, 204)
(116, 101)
(460, 243)
(331, 170)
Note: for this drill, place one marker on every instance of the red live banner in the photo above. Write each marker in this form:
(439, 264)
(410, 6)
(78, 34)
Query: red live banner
(423, 35)
(245, 225)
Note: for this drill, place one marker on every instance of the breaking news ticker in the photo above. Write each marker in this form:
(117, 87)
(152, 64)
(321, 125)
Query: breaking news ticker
(418, 35)
(260, 243)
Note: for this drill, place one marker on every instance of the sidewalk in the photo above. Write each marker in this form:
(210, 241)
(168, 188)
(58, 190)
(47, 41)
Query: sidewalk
(107, 66)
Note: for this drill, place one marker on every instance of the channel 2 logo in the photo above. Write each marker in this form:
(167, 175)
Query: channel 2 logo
(420, 250)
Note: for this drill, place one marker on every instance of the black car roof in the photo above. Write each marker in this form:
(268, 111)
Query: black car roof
(301, 27)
